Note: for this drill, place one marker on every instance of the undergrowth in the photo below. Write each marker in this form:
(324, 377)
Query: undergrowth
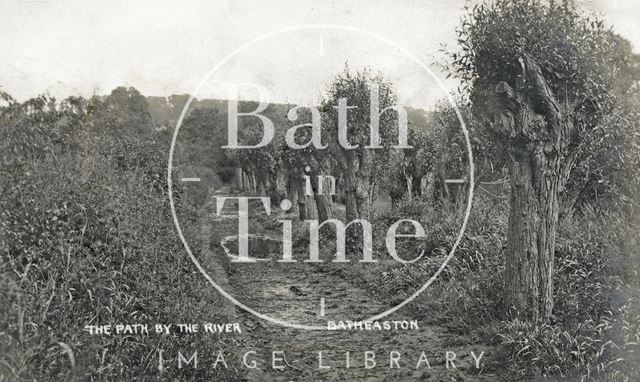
(87, 238)
(594, 333)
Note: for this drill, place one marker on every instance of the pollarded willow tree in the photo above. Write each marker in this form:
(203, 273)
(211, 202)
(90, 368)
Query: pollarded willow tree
(539, 74)
(306, 161)
(365, 161)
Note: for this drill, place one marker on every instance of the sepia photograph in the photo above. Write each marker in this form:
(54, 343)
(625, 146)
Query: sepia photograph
(218, 190)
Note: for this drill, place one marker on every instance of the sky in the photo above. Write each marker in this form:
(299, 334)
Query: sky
(86, 47)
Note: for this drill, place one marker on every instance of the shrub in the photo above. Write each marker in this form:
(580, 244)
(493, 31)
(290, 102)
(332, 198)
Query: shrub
(86, 238)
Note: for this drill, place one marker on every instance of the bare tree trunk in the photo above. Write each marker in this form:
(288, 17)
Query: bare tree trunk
(302, 200)
(280, 185)
(427, 185)
(531, 236)
(416, 185)
(350, 187)
(322, 204)
(536, 127)
(261, 184)
(409, 179)
(254, 182)
(238, 177)
(372, 193)
(292, 189)
(363, 176)
(356, 173)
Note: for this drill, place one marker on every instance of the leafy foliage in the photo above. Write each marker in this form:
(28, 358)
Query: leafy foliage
(86, 238)
(574, 51)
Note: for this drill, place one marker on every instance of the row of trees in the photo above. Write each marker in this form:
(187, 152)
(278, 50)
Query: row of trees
(438, 150)
(551, 99)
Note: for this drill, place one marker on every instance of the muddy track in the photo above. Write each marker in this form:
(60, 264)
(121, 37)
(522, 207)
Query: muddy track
(292, 292)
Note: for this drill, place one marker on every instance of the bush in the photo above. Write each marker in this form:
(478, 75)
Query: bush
(86, 238)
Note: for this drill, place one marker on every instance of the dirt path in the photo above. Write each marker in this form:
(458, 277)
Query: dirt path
(293, 292)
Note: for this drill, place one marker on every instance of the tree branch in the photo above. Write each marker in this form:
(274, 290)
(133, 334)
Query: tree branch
(543, 100)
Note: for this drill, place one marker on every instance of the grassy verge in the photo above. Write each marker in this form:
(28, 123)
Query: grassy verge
(87, 238)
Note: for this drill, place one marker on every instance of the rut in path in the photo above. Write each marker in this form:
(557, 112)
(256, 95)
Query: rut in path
(292, 292)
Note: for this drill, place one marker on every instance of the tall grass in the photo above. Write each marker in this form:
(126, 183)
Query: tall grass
(86, 237)
(594, 333)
